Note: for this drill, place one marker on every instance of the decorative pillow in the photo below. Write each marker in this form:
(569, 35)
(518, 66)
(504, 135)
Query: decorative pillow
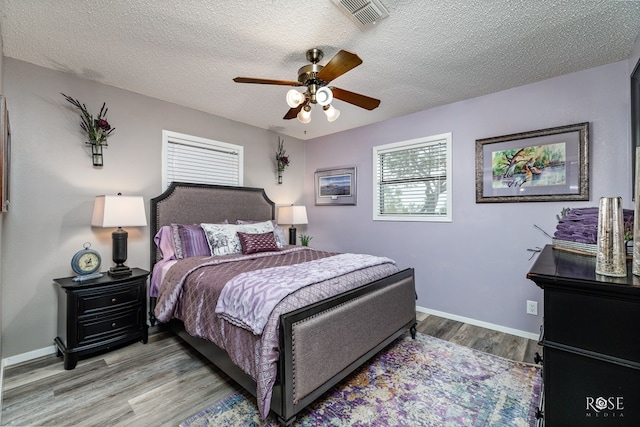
(164, 241)
(278, 231)
(252, 243)
(278, 234)
(190, 240)
(223, 238)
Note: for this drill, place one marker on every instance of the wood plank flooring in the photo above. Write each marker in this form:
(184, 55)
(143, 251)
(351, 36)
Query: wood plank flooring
(164, 382)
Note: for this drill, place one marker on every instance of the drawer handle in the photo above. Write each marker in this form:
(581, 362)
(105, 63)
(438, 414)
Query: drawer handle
(114, 300)
(537, 358)
(113, 325)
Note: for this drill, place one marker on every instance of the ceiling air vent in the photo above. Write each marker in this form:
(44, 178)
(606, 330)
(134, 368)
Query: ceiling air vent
(363, 12)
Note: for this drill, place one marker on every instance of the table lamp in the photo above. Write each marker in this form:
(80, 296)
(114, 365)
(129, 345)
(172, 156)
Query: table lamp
(119, 211)
(292, 215)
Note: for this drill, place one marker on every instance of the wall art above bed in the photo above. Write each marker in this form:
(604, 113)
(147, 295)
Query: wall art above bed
(336, 186)
(537, 166)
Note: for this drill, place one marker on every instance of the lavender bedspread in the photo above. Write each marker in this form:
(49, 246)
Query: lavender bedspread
(191, 288)
(248, 299)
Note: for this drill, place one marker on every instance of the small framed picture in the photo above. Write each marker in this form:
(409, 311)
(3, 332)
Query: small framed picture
(336, 186)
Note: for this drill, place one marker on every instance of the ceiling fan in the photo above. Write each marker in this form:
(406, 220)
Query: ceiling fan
(316, 78)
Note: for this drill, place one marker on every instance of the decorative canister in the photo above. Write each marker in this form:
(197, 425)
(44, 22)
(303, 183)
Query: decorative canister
(611, 257)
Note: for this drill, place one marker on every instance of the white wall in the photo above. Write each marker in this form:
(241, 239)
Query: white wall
(54, 184)
(475, 266)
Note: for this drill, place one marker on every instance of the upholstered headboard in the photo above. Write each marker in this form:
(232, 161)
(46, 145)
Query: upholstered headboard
(184, 203)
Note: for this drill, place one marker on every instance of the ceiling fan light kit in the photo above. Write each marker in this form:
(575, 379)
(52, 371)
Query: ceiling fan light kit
(324, 96)
(304, 116)
(295, 98)
(316, 78)
(331, 112)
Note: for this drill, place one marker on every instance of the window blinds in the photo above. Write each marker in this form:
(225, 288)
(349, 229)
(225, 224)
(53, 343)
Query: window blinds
(195, 161)
(412, 179)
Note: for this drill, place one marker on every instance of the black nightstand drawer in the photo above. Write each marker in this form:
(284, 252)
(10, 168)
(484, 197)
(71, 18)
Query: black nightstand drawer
(100, 314)
(95, 301)
(104, 328)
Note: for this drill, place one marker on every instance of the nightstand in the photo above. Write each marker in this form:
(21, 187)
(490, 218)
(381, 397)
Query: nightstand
(100, 314)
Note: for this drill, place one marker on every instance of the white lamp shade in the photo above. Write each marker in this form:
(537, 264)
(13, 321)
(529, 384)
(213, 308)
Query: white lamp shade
(331, 112)
(292, 215)
(324, 96)
(295, 98)
(304, 116)
(118, 211)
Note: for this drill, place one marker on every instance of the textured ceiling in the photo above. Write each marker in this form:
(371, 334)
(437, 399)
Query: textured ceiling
(426, 53)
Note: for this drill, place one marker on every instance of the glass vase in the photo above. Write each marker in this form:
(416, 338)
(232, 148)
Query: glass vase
(611, 256)
(96, 154)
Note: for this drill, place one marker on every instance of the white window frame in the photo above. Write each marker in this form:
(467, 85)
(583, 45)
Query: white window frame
(406, 145)
(169, 137)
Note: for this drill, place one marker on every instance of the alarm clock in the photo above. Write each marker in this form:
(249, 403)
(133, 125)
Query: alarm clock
(86, 262)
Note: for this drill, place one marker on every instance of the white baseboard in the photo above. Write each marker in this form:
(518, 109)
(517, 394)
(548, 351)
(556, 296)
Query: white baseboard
(30, 355)
(494, 327)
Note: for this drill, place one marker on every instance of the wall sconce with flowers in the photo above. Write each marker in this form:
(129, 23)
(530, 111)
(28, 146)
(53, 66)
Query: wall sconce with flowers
(97, 129)
(282, 160)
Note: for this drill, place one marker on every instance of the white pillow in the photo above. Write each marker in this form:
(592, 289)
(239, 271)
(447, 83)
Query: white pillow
(223, 238)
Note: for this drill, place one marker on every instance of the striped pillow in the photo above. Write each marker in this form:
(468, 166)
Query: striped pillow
(189, 241)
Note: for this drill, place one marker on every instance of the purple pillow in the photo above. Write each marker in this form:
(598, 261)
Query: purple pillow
(164, 241)
(278, 231)
(252, 243)
(189, 241)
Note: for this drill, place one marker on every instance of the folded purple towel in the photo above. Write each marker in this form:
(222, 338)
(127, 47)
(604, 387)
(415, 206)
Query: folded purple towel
(581, 225)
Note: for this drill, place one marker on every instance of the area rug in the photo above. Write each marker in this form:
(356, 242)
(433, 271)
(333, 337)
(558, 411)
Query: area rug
(421, 382)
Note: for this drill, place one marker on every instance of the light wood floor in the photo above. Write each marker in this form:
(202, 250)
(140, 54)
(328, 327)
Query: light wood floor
(164, 382)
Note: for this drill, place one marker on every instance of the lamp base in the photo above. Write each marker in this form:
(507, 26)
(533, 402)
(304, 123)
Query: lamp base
(119, 238)
(119, 270)
(292, 235)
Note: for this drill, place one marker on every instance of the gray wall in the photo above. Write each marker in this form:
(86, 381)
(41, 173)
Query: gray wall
(54, 183)
(475, 266)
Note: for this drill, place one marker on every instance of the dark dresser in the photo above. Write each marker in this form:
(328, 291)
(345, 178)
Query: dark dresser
(591, 342)
(100, 314)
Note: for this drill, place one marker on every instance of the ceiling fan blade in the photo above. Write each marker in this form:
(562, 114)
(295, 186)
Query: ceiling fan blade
(293, 112)
(266, 81)
(339, 64)
(355, 98)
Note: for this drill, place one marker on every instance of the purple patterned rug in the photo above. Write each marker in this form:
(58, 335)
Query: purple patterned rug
(422, 382)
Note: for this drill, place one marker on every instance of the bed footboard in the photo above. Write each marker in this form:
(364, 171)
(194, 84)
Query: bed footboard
(324, 343)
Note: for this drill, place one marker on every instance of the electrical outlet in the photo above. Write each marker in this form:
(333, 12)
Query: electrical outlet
(532, 307)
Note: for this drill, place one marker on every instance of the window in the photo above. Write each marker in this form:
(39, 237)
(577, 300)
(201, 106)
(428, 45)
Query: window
(412, 180)
(187, 158)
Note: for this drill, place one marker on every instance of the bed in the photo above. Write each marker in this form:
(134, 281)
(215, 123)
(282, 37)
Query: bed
(318, 344)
